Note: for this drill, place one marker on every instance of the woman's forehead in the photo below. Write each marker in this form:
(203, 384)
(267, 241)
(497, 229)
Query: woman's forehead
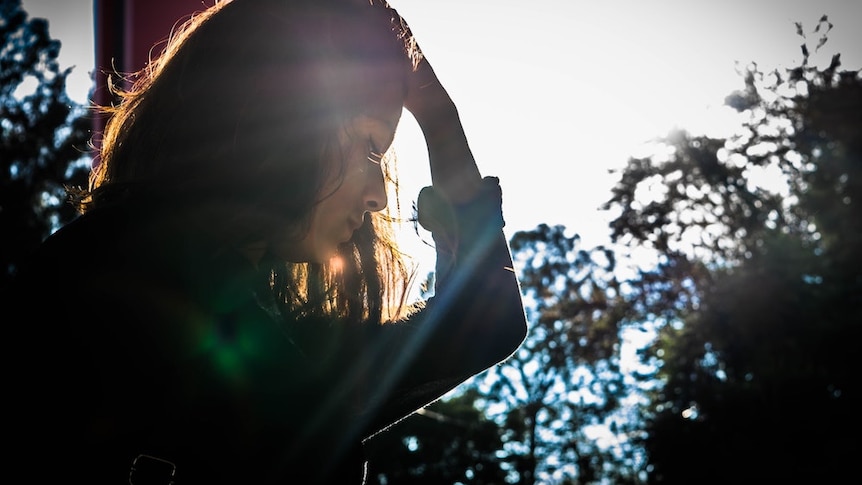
(386, 100)
(372, 89)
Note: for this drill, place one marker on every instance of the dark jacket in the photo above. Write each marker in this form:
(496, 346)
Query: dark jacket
(124, 340)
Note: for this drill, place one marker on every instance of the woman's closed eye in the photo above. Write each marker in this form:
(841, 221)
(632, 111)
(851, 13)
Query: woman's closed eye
(374, 154)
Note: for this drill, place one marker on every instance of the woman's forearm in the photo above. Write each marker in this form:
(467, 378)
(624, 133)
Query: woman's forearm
(453, 169)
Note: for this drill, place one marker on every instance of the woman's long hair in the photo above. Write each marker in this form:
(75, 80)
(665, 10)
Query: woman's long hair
(232, 123)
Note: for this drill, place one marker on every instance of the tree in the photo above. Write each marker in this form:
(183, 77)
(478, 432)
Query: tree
(450, 441)
(564, 396)
(44, 136)
(757, 284)
(561, 410)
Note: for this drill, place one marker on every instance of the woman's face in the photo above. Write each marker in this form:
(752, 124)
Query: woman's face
(369, 79)
(355, 186)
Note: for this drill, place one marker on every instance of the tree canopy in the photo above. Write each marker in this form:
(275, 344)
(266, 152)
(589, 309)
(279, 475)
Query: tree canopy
(757, 350)
(43, 145)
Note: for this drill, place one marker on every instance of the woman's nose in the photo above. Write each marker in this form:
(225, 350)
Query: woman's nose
(375, 190)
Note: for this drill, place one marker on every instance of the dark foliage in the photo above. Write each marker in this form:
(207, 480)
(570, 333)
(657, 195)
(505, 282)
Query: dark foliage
(44, 134)
(450, 441)
(762, 316)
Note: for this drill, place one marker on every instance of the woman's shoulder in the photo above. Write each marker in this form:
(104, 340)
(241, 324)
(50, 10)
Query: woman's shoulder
(80, 244)
(102, 250)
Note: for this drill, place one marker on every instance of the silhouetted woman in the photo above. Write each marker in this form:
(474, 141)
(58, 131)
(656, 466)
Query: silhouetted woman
(231, 301)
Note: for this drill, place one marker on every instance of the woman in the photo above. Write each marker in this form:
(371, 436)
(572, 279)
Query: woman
(231, 307)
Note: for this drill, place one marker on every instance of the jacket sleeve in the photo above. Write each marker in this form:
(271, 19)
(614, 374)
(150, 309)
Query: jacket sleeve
(474, 320)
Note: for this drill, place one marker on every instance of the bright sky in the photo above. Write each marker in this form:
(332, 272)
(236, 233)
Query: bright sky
(553, 93)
